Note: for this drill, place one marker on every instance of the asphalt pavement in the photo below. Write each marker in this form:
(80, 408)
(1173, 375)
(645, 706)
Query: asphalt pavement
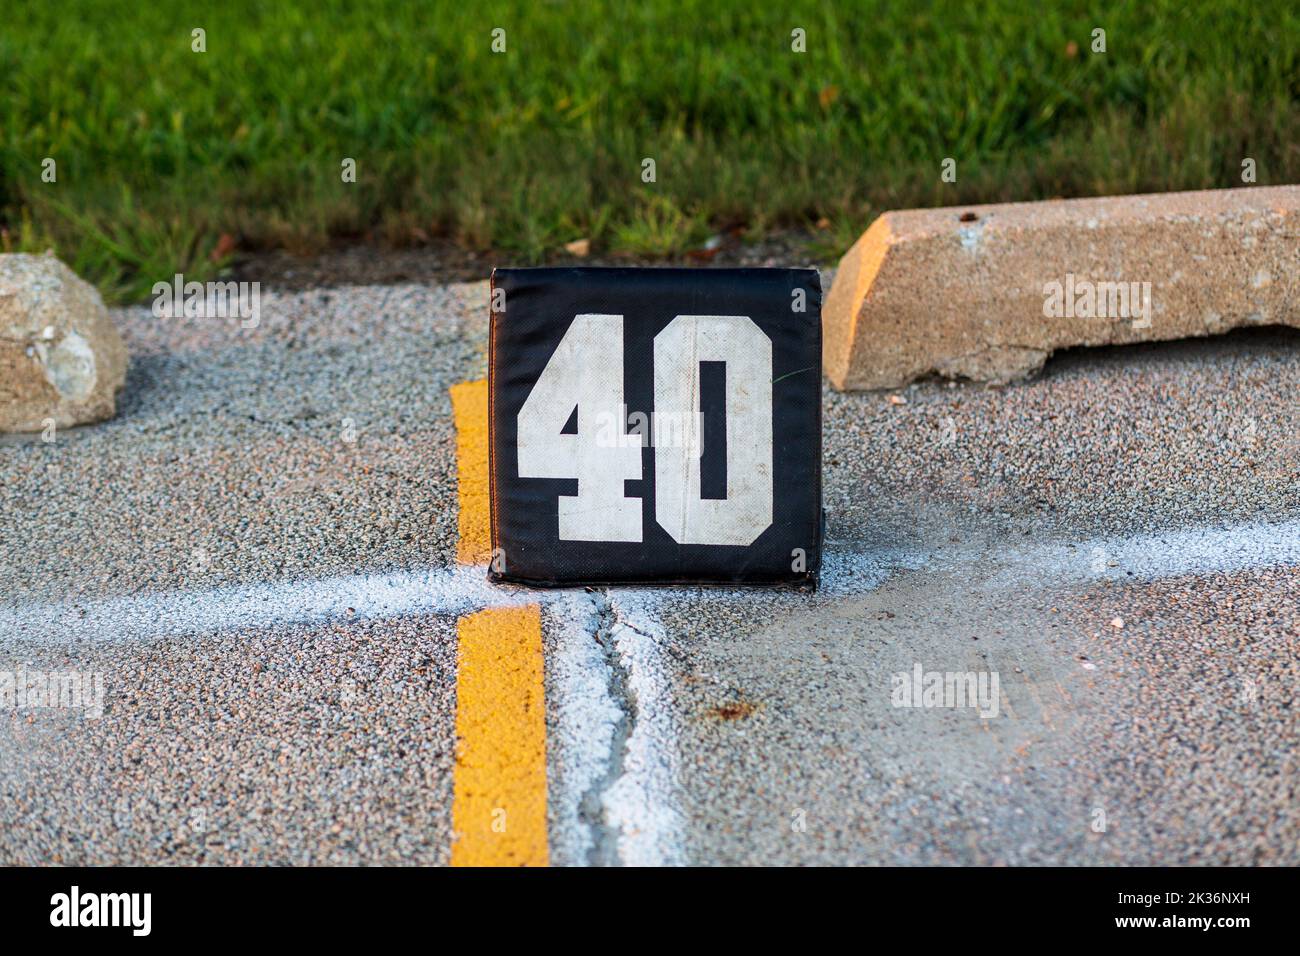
(258, 555)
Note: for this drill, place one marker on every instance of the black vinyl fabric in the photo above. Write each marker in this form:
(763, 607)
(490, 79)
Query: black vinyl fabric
(533, 310)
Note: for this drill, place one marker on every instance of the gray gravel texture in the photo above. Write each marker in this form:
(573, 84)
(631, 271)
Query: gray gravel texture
(229, 464)
(292, 745)
(332, 741)
(948, 515)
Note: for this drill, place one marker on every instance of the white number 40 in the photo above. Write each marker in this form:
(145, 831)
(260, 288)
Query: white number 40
(586, 371)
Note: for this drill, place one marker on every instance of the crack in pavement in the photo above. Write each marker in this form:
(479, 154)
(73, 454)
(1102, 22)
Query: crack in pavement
(643, 803)
(604, 849)
(617, 767)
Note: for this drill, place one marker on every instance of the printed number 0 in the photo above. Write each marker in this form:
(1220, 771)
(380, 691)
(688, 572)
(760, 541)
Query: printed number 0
(586, 371)
(747, 510)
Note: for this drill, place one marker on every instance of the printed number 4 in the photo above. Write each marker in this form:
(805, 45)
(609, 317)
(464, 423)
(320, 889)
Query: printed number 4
(586, 371)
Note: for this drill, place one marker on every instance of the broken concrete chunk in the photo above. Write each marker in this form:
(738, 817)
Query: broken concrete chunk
(989, 292)
(61, 358)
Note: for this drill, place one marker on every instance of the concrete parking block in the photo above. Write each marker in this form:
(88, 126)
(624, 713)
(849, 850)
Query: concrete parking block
(989, 292)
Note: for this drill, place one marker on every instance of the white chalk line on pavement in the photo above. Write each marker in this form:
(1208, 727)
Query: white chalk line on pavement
(453, 590)
(586, 725)
(1151, 556)
(644, 802)
(615, 734)
(458, 590)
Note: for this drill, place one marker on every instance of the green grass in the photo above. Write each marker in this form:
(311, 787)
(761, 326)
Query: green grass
(161, 150)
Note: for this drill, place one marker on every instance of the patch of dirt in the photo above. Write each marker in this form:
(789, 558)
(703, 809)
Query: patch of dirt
(733, 710)
(442, 261)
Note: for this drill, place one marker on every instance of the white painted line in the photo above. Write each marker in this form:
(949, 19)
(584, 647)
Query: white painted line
(847, 572)
(443, 591)
(615, 749)
(644, 802)
(1150, 557)
(460, 590)
(586, 724)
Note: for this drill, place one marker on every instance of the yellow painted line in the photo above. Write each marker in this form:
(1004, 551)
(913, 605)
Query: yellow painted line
(499, 807)
(469, 403)
(499, 813)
